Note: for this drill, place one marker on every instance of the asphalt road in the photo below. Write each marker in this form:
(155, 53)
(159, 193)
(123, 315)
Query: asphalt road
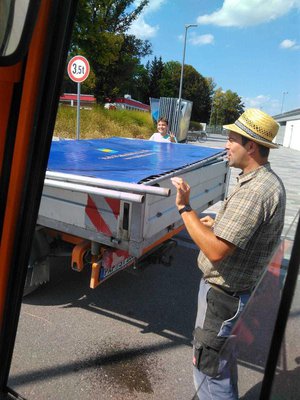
(130, 338)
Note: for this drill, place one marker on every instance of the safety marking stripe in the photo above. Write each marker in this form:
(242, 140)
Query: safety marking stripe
(96, 218)
(114, 204)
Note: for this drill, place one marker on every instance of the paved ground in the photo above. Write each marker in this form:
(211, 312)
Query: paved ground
(130, 338)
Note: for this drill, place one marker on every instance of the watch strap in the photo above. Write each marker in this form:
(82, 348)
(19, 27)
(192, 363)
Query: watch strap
(185, 208)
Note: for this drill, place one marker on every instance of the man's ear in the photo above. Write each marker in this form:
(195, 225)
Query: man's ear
(252, 147)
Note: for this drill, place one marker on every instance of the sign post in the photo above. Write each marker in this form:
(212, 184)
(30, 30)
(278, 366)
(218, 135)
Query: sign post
(78, 71)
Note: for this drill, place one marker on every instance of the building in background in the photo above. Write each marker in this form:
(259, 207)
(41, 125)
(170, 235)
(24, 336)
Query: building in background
(289, 131)
(71, 99)
(127, 103)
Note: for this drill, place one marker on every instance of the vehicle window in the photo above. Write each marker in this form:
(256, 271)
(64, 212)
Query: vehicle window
(252, 334)
(12, 18)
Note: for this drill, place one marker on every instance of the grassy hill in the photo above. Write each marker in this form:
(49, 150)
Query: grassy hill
(98, 122)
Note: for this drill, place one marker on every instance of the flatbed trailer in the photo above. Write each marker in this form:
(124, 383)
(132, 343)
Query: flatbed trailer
(113, 201)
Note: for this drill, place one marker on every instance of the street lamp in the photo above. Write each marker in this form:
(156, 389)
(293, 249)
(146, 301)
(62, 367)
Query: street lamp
(283, 95)
(181, 78)
(182, 65)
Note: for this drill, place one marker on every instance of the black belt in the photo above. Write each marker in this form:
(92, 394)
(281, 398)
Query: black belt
(236, 293)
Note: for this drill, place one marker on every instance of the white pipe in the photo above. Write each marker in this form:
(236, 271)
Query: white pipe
(113, 194)
(134, 187)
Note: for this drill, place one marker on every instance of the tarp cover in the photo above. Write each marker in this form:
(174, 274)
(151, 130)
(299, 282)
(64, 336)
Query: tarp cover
(125, 160)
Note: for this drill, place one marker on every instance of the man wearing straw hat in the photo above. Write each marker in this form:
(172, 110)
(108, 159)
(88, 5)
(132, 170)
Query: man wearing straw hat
(235, 248)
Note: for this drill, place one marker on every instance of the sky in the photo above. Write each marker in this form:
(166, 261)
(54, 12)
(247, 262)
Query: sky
(251, 47)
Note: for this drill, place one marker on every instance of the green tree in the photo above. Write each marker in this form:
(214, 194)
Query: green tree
(226, 107)
(138, 84)
(155, 74)
(195, 88)
(233, 107)
(100, 35)
(170, 78)
(121, 76)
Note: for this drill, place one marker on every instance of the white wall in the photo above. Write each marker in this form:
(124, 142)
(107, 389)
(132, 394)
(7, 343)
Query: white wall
(292, 135)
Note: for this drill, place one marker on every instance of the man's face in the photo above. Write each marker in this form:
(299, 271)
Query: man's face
(162, 127)
(236, 152)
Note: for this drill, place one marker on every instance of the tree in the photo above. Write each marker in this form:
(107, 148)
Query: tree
(100, 35)
(195, 88)
(138, 84)
(120, 76)
(226, 107)
(170, 78)
(155, 74)
(233, 107)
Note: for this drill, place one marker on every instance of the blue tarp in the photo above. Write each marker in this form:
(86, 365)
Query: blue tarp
(125, 160)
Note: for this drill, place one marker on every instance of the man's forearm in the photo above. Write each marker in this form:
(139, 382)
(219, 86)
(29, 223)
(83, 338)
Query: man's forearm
(213, 247)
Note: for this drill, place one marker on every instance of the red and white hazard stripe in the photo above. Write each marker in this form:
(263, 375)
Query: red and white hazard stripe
(103, 213)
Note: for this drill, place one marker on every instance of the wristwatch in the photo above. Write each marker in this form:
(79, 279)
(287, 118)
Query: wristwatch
(187, 208)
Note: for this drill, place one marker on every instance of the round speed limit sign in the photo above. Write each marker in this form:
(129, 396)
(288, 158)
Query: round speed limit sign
(78, 69)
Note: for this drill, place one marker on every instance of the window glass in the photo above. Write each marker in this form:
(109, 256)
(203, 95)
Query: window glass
(12, 18)
(252, 335)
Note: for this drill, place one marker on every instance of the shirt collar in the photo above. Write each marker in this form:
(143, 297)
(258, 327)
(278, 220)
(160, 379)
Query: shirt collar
(250, 175)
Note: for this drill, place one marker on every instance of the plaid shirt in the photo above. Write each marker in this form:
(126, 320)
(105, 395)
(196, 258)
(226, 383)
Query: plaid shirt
(251, 218)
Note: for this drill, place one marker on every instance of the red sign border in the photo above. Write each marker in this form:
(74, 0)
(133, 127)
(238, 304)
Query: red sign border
(83, 78)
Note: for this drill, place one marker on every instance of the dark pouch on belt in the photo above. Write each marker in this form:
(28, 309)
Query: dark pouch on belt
(207, 343)
(206, 358)
(198, 348)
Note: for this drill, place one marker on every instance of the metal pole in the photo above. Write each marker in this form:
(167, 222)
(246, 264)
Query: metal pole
(182, 65)
(182, 68)
(112, 194)
(109, 184)
(183, 58)
(78, 111)
(211, 112)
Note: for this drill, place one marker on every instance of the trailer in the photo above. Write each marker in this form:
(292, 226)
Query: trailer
(112, 204)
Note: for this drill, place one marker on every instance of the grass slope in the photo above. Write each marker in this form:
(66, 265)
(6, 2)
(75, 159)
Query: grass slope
(98, 122)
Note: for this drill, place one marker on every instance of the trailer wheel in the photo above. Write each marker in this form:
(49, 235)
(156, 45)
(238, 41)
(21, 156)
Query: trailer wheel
(202, 137)
(38, 271)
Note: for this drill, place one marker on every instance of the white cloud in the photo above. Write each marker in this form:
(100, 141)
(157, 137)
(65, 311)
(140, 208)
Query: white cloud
(241, 13)
(289, 44)
(257, 101)
(152, 6)
(263, 102)
(200, 40)
(142, 29)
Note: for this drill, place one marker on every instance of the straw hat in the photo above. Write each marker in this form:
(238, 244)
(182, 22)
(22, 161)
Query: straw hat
(256, 125)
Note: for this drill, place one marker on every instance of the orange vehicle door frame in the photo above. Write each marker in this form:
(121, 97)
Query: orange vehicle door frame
(29, 94)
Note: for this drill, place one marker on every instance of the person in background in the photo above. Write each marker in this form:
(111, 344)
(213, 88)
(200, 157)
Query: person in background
(235, 249)
(163, 134)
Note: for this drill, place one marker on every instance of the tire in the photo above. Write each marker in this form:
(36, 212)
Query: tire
(202, 137)
(38, 271)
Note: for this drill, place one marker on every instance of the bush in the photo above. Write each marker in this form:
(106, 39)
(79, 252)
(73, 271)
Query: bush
(195, 126)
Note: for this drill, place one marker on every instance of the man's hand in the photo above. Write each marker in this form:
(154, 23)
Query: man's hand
(213, 247)
(207, 221)
(183, 192)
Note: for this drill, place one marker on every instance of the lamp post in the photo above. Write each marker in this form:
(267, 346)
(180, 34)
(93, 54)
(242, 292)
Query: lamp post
(187, 26)
(183, 57)
(283, 95)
